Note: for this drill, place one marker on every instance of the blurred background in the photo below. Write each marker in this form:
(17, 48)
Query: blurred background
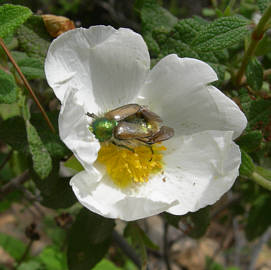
(223, 244)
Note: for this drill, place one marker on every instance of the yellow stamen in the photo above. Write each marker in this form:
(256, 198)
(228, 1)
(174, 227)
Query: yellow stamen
(126, 167)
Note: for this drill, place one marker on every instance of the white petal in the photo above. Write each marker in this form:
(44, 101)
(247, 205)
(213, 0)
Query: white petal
(206, 109)
(173, 76)
(74, 131)
(199, 169)
(176, 90)
(106, 65)
(106, 199)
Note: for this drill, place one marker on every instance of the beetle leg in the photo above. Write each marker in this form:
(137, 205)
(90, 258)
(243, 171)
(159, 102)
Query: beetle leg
(124, 146)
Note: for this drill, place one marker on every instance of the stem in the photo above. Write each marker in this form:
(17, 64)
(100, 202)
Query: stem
(256, 36)
(232, 3)
(230, 202)
(27, 85)
(214, 3)
(258, 247)
(29, 245)
(126, 248)
(14, 184)
(261, 180)
(6, 160)
(166, 247)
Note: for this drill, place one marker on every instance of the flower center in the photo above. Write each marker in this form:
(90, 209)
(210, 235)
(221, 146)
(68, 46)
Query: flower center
(126, 166)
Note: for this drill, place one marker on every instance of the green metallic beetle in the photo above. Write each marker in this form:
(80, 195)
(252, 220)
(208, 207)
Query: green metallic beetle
(130, 125)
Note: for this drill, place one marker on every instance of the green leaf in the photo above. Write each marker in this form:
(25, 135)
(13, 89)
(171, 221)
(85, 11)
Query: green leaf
(250, 141)
(106, 265)
(187, 29)
(13, 132)
(246, 101)
(221, 34)
(247, 166)
(208, 12)
(259, 218)
(88, 240)
(8, 88)
(264, 46)
(52, 258)
(262, 4)
(52, 142)
(254, 74)
(31, 265)
(14, 247)
(56, 234)
(74, 164)
(33, 37)
(11, 17)
(199, 222)
(9, 110)
(134, 234)
(42, 162)
(56, 191)
(32, 68)
(259, 115)
(172, 219)
(153, 16)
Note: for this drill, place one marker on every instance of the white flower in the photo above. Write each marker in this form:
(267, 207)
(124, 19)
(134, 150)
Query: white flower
(99, 69)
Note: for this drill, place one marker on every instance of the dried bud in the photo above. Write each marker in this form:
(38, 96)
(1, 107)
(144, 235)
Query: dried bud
(56, 25)
(64, 220)
(31, 232)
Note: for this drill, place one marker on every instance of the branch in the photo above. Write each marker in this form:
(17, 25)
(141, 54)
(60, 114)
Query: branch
(258, 247)
(256, 36)
(25, 254)
(166, 247)
(27, 85)
(232, 200)
(14, 184)
(126, 248)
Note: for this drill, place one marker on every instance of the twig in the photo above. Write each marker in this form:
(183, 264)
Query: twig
(232, 200)
(256, 36)
(126, 248)
(238, 242)
(27, 85)
(29, 245)
(6, 160)
(33, 199)
(14, 184)
(257, 249)
(166, 247)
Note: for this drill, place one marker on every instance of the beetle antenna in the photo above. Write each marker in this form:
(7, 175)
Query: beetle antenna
(92, 115)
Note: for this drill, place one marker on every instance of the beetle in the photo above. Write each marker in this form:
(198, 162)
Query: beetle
(130, 125)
